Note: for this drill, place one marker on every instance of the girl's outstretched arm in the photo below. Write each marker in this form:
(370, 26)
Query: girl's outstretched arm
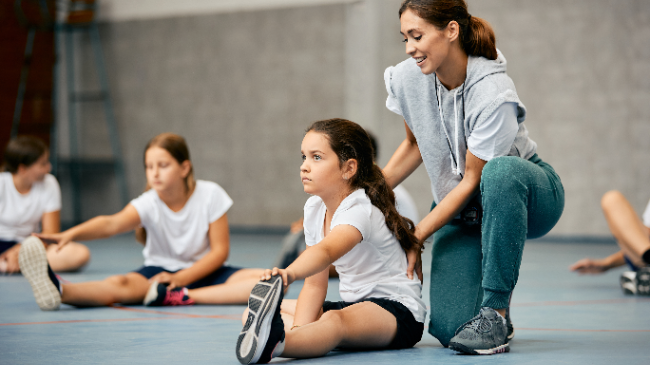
(99, 227)
(317, 258)
(219, 237)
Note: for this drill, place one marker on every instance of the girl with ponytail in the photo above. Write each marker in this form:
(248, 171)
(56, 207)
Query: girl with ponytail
(350, 222)
(491, 190)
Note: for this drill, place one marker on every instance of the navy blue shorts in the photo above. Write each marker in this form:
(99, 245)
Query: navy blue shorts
(409, 331)
(215, 278)
(5, 245)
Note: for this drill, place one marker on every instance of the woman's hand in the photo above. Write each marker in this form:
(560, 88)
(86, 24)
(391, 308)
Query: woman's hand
(287, 275)
(167, 278)
(59, 239)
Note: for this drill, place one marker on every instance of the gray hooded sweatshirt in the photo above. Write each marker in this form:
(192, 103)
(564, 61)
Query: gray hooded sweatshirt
(442, 134)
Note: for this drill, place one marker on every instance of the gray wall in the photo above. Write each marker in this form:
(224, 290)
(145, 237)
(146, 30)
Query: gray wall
(241, 87)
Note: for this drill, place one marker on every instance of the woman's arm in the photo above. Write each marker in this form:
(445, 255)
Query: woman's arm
(99, 227)
(445, 211)
(404, 161)
(311, 298)
(455, 201)
(219, 237)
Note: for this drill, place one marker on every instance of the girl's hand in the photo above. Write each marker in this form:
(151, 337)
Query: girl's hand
(166, 278)
(59, 239)
(288, 276)
(590, 266)
(414, 260)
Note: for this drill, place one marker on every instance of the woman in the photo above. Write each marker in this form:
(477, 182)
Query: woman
(491, 191)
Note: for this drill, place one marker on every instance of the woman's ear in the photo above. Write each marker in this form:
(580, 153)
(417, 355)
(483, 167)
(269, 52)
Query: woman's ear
(452, 31)
(349, 168)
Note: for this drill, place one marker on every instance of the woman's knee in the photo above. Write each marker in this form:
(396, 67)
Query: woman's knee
(500, 173)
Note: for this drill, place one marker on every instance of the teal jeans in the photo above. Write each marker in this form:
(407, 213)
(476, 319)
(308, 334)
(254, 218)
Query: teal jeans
(478, 266)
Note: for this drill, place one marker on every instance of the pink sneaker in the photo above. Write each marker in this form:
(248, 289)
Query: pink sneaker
(159, 295)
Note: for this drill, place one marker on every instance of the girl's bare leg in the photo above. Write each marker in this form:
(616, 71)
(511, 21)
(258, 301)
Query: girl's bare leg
(626, 226)
(128, 289)
(362, 325)
(72, 257)
(234, 291)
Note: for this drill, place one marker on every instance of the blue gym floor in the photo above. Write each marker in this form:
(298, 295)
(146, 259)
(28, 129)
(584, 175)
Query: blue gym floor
(559, 317)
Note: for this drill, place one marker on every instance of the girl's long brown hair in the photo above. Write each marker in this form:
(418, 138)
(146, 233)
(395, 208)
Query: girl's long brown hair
(177, 147)
(350, 141)
(476, 35)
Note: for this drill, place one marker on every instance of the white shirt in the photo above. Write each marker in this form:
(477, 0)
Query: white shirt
(646, 216)
(376, 266)
(21, 214)
(175, 240)
(490, 139)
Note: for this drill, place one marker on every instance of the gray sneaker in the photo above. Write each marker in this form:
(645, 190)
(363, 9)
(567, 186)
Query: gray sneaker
(484, 334)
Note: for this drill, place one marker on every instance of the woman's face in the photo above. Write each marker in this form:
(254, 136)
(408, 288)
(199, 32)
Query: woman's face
(428, 45)
(163, 171)
(320, 171)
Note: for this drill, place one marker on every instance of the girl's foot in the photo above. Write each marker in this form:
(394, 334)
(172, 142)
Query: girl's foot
(159, 295)
(484, 334)
(262, 337)
(32, 259)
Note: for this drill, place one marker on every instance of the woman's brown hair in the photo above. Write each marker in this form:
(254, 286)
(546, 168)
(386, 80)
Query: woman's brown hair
(177, 147)
(476, 35)
(350, 141)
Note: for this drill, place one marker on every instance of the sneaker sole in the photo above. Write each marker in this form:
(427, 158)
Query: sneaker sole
(643, 282)
(262, 304)
(466, 350)
(152, 294)
(32, 259)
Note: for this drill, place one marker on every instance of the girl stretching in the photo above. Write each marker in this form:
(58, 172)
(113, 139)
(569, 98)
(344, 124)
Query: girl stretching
(350, 222)
(186, 247)
(29, 197)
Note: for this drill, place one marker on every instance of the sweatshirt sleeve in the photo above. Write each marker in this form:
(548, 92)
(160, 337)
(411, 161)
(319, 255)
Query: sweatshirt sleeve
(391, 101)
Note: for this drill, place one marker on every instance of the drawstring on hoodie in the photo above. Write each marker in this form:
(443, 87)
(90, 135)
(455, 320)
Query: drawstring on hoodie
(455, 168)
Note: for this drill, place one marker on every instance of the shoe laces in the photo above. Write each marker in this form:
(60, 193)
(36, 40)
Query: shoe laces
(480, 324)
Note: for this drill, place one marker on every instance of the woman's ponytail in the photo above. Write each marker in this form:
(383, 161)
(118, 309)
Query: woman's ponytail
(476, 35)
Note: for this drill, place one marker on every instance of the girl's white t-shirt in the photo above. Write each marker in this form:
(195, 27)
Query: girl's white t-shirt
(20, 215)
(175, 240)
(376, 266)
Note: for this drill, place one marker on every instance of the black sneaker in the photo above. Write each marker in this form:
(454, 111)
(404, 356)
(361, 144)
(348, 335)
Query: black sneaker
(484, 334)
(262, 337)
(642, 281)
(628, 282)
(32, 259)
